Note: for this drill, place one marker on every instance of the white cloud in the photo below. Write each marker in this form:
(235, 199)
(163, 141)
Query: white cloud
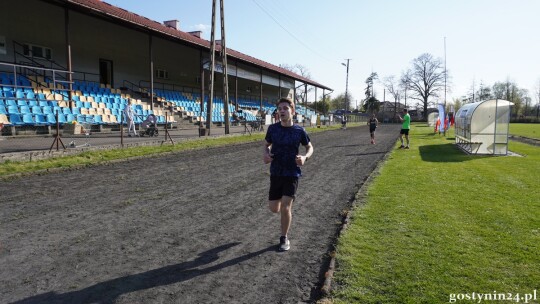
(201, 27)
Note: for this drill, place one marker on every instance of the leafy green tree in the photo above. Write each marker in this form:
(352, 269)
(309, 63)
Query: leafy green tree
(372, 105)
(369, 82)
(338, 102)
(322, 105)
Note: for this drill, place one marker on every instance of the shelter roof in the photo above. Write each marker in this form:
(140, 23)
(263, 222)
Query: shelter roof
(121, 15)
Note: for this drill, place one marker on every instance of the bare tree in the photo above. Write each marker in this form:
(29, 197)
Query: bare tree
(300, 92)
(509, 90)
(393, 88)
(426, 79)
(405, 86)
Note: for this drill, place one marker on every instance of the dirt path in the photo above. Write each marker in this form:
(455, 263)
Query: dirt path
(191, 227)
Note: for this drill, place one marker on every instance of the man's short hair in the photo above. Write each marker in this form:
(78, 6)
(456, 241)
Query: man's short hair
(287, 100)
(405, 110)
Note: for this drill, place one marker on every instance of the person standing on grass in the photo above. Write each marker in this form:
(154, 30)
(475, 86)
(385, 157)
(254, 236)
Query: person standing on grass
(405, 127)
(373, 123)
(281, 150)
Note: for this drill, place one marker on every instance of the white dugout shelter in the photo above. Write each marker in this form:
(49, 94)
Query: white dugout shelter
(482, 127)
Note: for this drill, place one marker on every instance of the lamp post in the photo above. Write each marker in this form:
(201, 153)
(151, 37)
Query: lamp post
(346, 85)
(344, 119)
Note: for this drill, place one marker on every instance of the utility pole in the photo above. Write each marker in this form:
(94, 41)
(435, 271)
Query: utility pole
(225, 75)
(212, 69)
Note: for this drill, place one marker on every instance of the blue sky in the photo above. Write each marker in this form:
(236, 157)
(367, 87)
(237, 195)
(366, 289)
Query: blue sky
(486, 40)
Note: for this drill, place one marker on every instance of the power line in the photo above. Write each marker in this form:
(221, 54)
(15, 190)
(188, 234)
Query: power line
(289, 32)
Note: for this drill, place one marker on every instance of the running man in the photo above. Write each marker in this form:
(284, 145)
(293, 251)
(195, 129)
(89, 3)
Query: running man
(405, 127)
(281, 150)
(373, 123)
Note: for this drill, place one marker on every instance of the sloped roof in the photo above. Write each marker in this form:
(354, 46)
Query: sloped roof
(108, 10)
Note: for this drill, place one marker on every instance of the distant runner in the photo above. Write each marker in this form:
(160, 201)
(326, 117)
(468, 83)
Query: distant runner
(373, 123)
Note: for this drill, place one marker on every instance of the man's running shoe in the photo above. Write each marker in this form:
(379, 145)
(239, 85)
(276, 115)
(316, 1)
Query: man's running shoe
(284, 243)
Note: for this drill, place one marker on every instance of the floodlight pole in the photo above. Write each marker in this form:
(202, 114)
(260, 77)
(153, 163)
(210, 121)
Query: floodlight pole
(443, 119)
(346, 86)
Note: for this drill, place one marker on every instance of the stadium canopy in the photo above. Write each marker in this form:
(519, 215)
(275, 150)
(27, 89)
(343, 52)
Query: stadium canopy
(482, 127)
(119, 15)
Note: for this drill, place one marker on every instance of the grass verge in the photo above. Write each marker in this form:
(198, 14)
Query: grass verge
(101, 156)
(526, 130)
(437, 223)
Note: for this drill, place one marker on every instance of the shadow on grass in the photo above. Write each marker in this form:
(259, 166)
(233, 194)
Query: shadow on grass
(448, 153)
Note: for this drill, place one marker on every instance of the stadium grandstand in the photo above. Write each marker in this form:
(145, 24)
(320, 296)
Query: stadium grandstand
(81, 61)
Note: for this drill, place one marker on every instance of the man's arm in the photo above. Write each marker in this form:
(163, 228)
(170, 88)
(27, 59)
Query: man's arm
(267, 156)
(301, 159)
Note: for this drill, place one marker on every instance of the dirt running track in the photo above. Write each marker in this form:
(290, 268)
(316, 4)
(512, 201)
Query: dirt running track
(190, 227)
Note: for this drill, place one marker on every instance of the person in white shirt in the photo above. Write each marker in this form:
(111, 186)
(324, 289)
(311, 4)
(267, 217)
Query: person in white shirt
(130, 118)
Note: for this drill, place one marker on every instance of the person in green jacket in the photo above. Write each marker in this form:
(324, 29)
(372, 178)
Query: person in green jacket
(405, 127)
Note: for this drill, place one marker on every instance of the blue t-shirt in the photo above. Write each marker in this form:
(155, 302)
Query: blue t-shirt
(285, 144)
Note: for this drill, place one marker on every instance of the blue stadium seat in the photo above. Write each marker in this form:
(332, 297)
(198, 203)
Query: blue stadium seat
(19, 94)
(11, 109)
(46, 110)
(21, 102)
(32, 102)
(39, 119)
(24, 109)
(62, 118)
(51, 119)
(98, 119)
(70, 118)
(28, 119)
(35, 110)
(15, 119)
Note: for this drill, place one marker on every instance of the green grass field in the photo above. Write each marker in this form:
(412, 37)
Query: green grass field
(437, 223)
(526, 130)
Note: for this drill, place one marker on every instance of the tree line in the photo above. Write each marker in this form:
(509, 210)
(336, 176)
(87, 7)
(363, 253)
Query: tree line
(425, 83)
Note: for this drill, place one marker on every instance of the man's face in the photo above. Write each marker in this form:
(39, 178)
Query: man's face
(285, 111)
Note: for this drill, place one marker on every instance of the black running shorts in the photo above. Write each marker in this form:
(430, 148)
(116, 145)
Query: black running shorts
(282, 186)
(404, 131)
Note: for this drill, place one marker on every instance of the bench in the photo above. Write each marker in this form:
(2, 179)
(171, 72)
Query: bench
(467, 145)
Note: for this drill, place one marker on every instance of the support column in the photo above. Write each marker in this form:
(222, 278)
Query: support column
(69, 65)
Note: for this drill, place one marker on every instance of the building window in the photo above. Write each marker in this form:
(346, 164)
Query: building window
(162, 74)
(37, 51)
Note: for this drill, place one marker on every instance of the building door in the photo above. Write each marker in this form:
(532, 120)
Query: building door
(106, 72)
